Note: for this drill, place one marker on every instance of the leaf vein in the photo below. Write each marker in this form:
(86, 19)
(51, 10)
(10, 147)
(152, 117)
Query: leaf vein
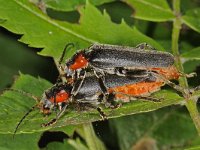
(55, 24)
(152, 5)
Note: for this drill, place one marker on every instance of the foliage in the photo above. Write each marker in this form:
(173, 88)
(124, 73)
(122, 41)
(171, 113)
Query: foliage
(31, 19)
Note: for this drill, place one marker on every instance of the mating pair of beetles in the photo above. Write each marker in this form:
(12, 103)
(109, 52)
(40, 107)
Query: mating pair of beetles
(103, 74)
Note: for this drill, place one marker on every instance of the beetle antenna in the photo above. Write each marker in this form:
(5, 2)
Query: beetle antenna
(63, 53)
(28, 95)
(23, 119)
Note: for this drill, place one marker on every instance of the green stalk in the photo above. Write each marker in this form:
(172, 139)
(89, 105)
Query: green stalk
(92, 140)
(190, 103)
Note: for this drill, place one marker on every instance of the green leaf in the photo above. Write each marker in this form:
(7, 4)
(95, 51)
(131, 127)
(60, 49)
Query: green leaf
(30, 141)
(40, 31)
(191, 59)
(193, 54)
(118, 10)
(191, 19)
(160, 126)
(15, 105)
(191, 65)
(69, 5)
(151, 10)
(22, 141)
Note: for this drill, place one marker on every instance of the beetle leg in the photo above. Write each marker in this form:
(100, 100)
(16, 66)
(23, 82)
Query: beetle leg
(100, 110)
(53, 121)
(147, 98)
(145, 46)
(197, 88)
(102, 84)
(78, 83)
(190, 75)
(111, 103)
(183, 90)
(102, 114)
(109, 100)
(92, 104)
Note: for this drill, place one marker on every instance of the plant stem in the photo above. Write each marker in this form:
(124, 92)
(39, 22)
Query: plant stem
(92, 140)
(190, 103)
